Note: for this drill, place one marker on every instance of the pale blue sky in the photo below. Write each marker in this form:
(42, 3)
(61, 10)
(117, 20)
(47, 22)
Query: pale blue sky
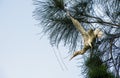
(22, 53)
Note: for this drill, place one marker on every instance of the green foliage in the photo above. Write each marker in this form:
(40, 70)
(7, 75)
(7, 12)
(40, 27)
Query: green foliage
(96, 68)
(99, 72)
(93, 62)
(59, 3)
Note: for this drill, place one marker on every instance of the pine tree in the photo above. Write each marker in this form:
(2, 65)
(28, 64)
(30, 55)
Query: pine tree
(92, 14)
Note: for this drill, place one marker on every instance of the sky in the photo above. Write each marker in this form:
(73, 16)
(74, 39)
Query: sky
(22, 53)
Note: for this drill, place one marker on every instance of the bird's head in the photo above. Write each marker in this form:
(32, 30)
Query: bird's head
(98, 33)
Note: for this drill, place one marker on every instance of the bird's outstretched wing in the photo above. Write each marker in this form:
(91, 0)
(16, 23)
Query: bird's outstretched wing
(77, 25)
